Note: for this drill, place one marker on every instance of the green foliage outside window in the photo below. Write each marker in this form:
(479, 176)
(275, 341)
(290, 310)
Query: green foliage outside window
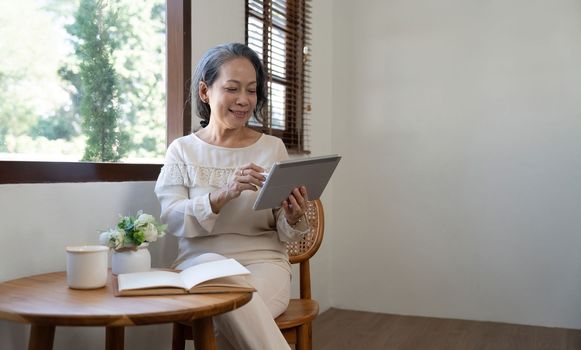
(106, 142)
(83, 78)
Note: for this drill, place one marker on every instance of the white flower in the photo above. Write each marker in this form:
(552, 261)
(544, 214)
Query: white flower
(113, 238)
(143, 219)
(150, 232)
(119, 238)
(104, 238)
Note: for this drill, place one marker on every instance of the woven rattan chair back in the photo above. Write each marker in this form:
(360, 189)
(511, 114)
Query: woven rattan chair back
(305, 248)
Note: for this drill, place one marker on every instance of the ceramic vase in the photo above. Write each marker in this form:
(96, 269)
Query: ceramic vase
(131, 260)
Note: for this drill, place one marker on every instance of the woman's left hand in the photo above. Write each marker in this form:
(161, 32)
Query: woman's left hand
(295, 206)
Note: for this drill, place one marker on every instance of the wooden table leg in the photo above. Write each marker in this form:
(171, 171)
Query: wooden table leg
(178, 340)
(115, 338)
(41, 337)
(203, 331)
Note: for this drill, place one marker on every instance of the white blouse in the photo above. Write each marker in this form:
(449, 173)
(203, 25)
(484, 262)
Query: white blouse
(193, 169)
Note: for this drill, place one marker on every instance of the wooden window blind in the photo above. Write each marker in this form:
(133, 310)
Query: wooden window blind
(279, 31)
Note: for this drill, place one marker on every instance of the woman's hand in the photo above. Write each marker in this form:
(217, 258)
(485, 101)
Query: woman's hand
(295, 206)
(246, 178)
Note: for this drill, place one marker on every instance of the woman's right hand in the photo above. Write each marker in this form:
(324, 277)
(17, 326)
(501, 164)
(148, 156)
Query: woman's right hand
(246, 178)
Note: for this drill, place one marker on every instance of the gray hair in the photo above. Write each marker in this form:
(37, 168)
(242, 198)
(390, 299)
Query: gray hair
(208, 69)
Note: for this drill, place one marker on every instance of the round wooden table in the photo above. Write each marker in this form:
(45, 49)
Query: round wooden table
(45, 301)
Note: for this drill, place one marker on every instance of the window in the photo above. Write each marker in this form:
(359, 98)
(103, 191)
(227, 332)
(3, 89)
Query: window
(278, 30)
(178, 18)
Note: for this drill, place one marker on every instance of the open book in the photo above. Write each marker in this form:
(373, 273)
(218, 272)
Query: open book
(218, 276)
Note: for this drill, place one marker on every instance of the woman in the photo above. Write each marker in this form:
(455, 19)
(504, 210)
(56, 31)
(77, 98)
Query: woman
(209, 183)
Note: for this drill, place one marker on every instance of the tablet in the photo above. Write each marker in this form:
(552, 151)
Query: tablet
(314, 173)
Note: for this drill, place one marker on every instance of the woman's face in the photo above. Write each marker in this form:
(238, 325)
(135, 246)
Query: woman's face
(232, 97)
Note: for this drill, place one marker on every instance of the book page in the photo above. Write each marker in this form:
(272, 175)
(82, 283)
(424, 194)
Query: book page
(223, 285)
(197, 274)
(149, 279)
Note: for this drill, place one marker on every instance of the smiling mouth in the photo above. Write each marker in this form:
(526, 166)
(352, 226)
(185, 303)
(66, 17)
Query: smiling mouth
(239, 114)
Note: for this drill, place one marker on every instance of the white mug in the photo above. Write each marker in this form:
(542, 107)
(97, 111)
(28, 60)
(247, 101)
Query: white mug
(87, 266)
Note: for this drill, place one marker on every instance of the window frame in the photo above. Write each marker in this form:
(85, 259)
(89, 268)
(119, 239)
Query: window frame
(178, 116)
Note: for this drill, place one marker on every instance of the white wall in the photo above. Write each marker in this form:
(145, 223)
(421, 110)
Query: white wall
(459, 123)
(320, 141)
(216, 22)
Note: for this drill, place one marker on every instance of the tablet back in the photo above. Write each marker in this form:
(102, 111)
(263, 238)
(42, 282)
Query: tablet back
(314, 173)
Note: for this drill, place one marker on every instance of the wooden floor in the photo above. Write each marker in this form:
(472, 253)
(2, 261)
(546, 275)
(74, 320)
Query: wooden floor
(338, 329)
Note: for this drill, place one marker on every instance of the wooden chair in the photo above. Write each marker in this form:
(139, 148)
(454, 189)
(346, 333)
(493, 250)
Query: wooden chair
(295, 322)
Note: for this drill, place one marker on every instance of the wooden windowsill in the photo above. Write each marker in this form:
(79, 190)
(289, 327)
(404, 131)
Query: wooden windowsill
(12, 172)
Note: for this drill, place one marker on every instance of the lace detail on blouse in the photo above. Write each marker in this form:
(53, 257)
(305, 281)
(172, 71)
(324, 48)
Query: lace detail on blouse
(190, 175)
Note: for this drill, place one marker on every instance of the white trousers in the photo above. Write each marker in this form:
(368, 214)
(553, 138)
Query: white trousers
(252, 326)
